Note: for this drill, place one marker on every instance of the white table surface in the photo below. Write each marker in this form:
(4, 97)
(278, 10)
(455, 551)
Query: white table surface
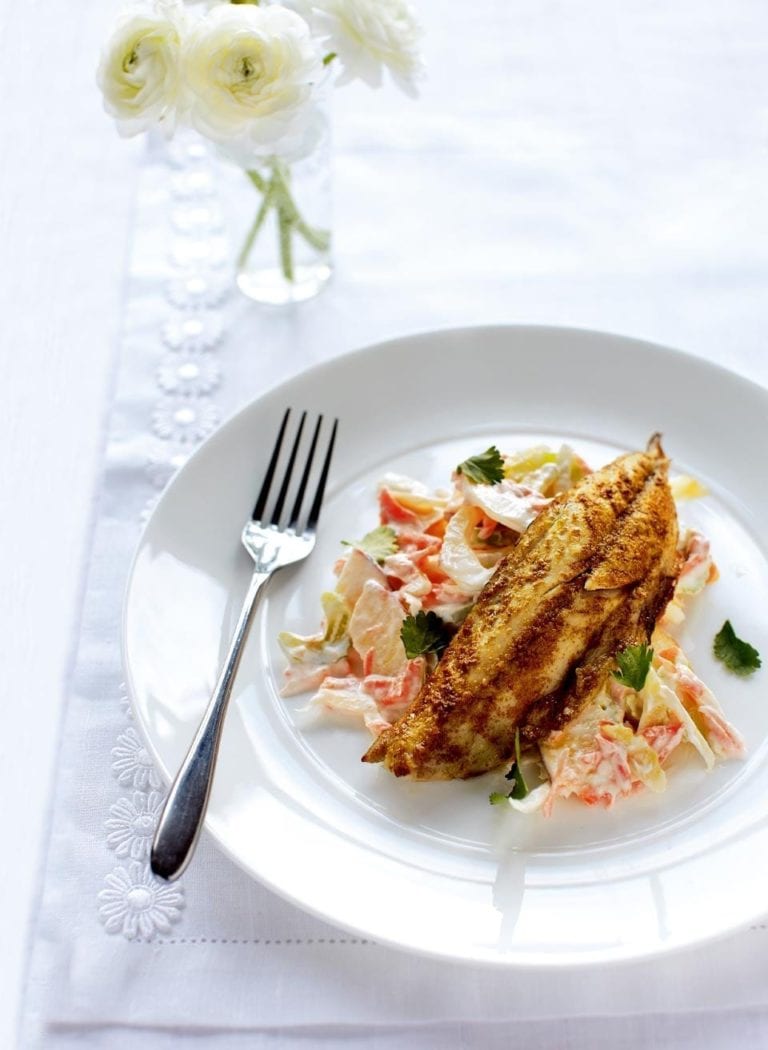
(66, 196)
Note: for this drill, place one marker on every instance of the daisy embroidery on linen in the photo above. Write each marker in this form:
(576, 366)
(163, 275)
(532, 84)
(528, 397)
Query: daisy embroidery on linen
(197, 218)
(132, 824)
(132, 762)
(188, 376)
(201, 330)
(125, 701)
(179, 419)
(160, 468)
(186, 151)
(194, 184)
(194, 290)
(194, 253)
(136, 904)
(148, 509)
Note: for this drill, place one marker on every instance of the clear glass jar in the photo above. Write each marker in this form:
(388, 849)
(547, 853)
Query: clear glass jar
(279, 223)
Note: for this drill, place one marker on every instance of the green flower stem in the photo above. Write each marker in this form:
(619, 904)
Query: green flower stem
(258, 222)
(318, 239)
(276, 193)
(257, 181)
(286, 241)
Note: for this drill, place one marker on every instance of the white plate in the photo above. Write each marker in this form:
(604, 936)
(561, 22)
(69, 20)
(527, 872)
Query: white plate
(433, 867)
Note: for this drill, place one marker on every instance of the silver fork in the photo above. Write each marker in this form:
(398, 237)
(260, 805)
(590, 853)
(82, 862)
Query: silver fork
(273, 544)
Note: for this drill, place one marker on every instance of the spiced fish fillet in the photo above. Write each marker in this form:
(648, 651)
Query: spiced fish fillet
(589, 576)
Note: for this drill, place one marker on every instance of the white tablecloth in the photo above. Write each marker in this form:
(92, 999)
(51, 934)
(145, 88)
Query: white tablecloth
(591, 167)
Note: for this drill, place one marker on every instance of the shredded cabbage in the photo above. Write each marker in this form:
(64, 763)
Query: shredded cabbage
(447, 548)
(374, 629)
(457, 558)
(507, 502)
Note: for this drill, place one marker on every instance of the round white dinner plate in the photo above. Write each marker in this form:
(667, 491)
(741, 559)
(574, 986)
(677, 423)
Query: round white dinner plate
(433, 867)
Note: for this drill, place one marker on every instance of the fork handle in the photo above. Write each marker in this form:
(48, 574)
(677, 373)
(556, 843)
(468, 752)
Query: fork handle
(182, 818)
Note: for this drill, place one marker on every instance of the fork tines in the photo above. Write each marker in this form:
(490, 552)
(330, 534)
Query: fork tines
(290, 486)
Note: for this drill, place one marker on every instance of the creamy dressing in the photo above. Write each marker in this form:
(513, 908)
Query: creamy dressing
(445, 547)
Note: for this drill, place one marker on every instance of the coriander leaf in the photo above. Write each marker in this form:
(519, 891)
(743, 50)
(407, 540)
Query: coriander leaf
(512, 774)
(737, 655)
(379, 543)
(634, 664)
(519, 787)
(424, 633)
(487, 468)
(497, 797)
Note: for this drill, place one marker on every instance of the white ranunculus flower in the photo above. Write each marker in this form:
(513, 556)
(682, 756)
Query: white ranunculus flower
(139, 69)
(368, 35)
(249, 73)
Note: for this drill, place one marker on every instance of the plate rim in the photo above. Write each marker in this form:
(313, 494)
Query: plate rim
(624, 343)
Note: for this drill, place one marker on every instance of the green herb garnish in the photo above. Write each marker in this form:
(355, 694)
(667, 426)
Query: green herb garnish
(424, 633)
(519, 787)
(634, 664)
(737, 655)
(379, 543)
(485, 469)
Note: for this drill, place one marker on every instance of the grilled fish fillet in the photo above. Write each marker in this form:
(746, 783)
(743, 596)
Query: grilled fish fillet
(590, 576)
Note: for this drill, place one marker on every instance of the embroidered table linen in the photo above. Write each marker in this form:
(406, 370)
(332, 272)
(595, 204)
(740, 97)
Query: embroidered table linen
(525, 192)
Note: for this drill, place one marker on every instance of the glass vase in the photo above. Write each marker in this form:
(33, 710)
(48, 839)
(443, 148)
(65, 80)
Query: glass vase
(280, 225)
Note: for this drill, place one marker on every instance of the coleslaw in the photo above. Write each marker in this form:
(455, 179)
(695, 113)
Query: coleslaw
(433, 551)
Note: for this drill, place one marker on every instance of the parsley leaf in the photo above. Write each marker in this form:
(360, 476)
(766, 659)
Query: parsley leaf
(634, 664)
(487, 468)
(737, 655)
(519, 787)
(379, 543)
(424, 633)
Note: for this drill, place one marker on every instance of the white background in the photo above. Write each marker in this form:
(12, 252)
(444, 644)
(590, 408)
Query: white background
(624, 143)
(66, 194)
